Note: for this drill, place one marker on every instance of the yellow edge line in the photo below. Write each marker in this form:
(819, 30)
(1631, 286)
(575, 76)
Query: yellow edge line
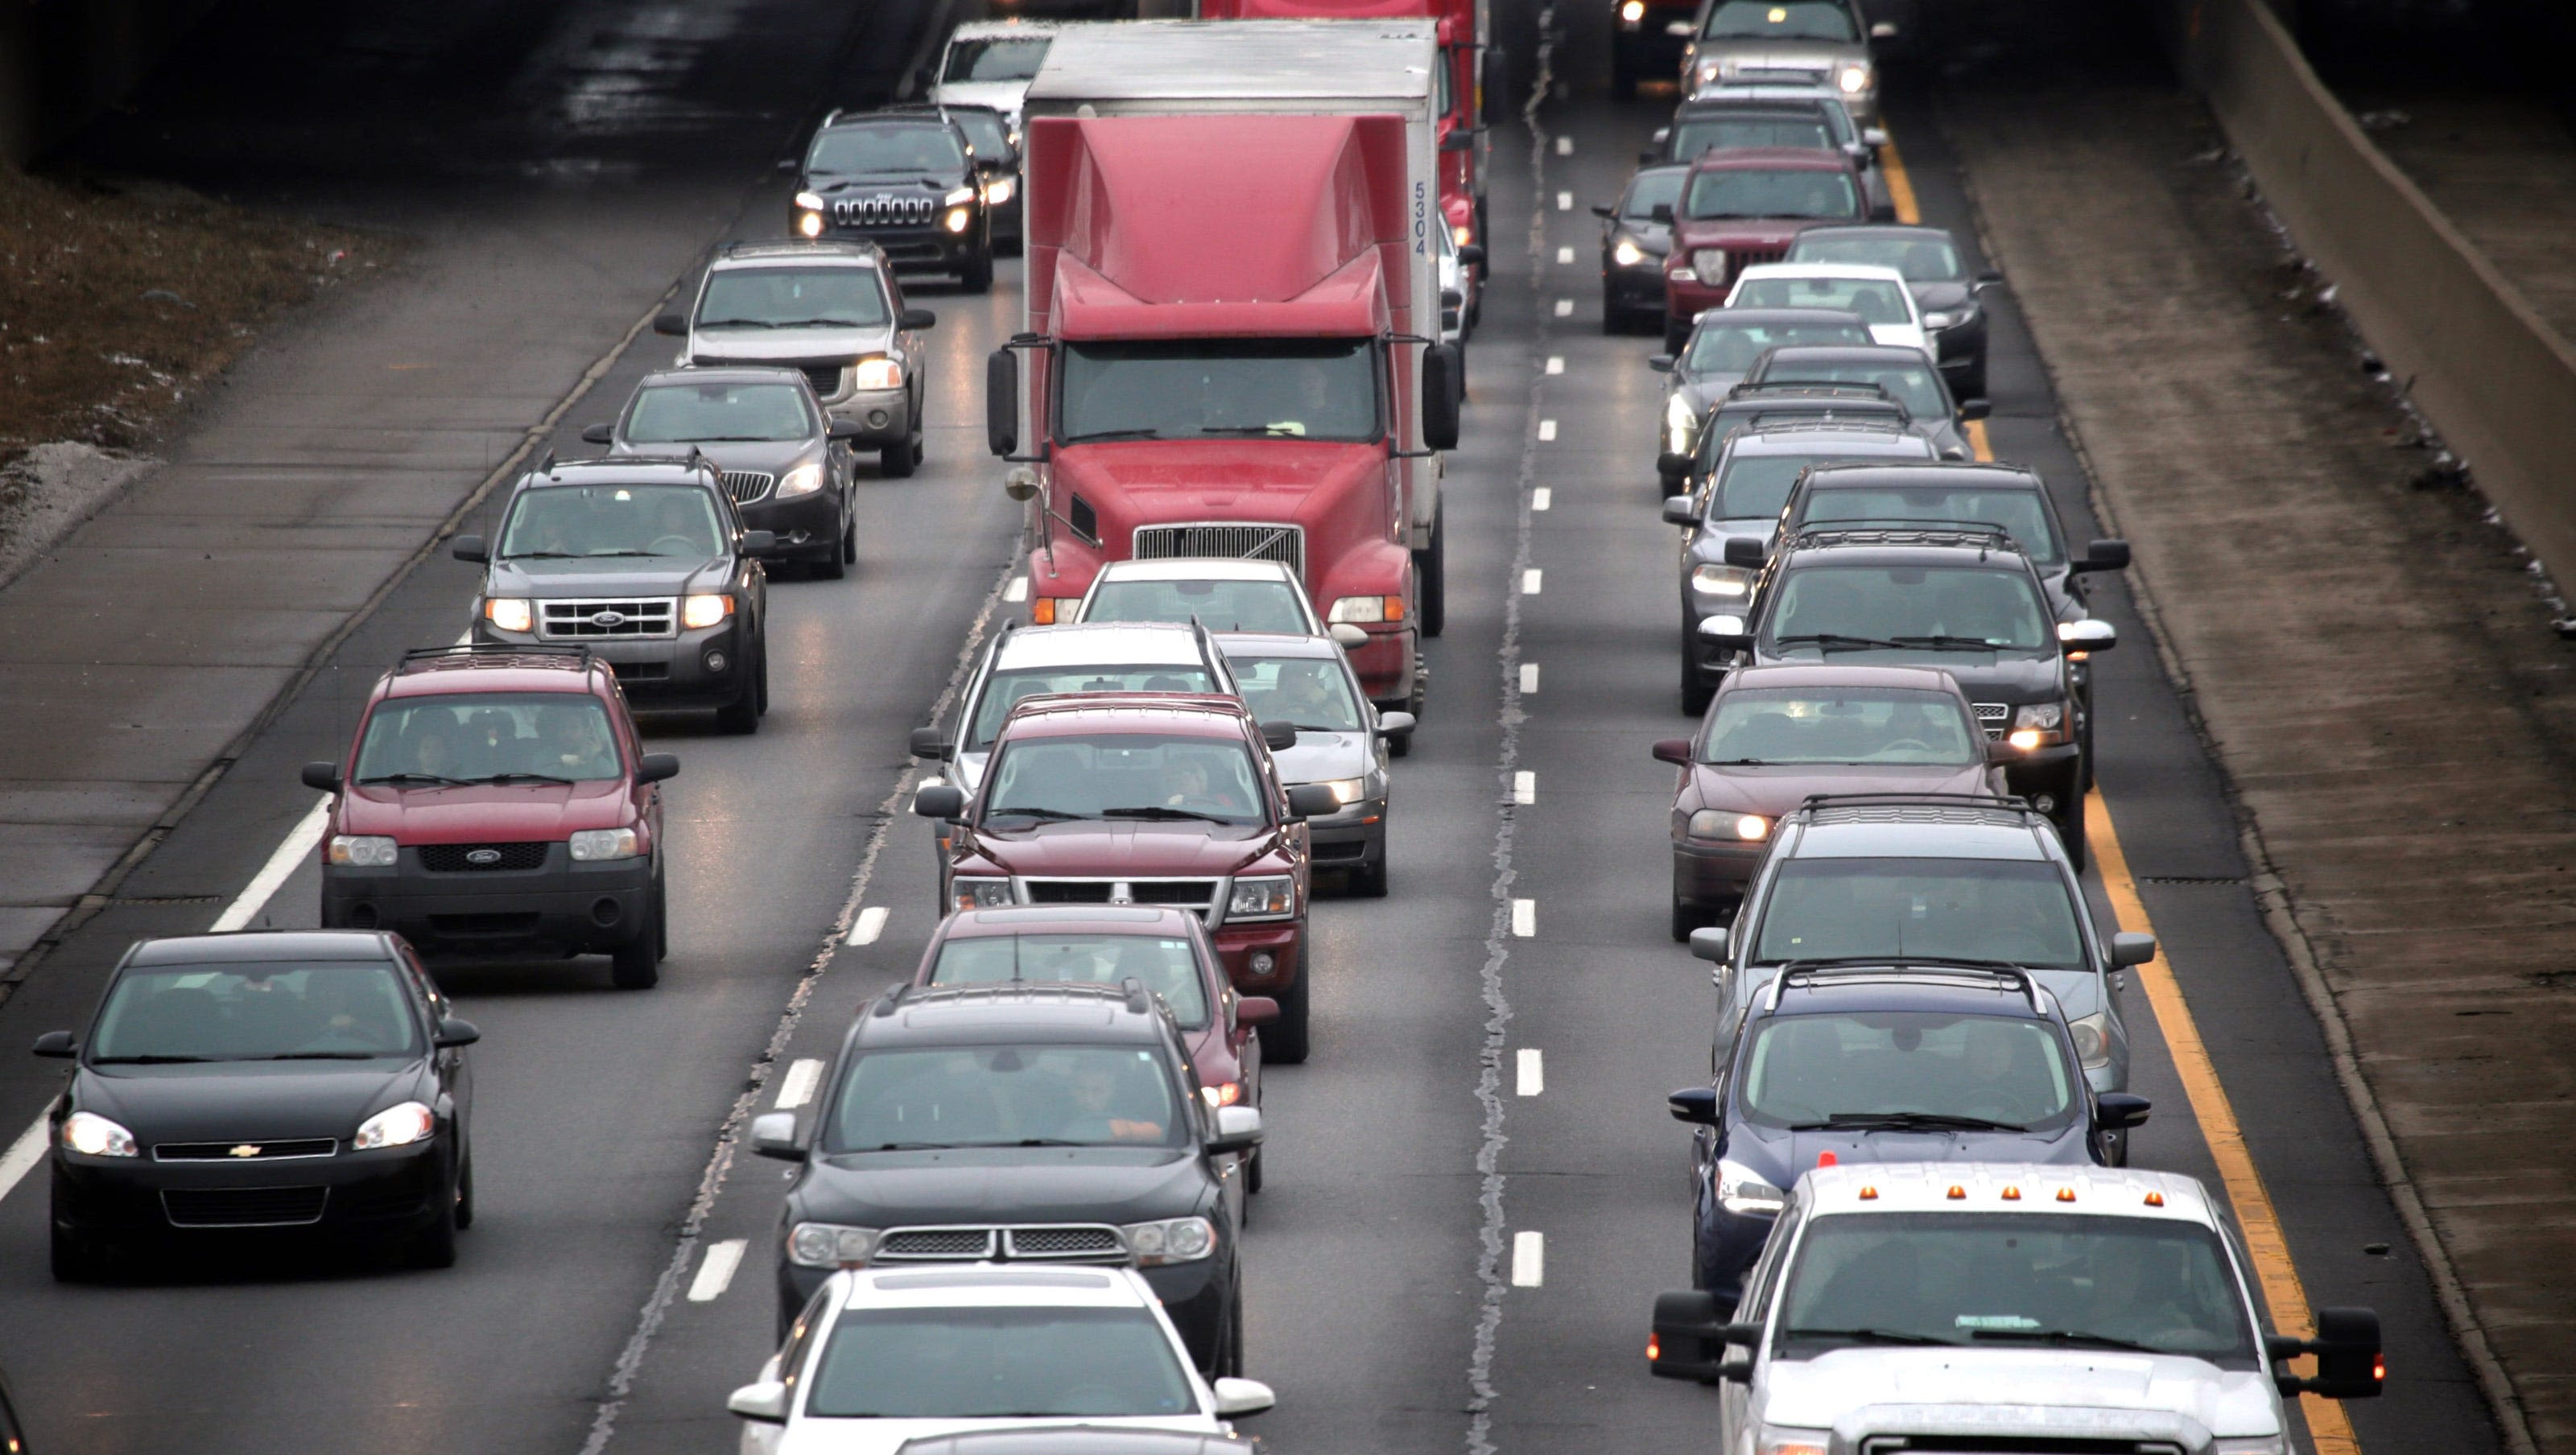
(2328, 1427)
(1900, 187)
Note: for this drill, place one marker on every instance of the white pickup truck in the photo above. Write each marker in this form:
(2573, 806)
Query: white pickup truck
(2061, 1308)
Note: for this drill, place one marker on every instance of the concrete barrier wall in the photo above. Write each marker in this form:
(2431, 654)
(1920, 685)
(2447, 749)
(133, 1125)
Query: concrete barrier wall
(2487, 372)
(64, 61)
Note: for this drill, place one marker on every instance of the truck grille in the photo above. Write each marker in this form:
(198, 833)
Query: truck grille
(1994, 717)
(481, 858)
(243, 1151)
(245, 1207)
(826, 379)
(885, 209)
(2015, 1445)
(1240, 541)
(1052, 1242)
(588, 620)
(746, 486)
(1195, 894)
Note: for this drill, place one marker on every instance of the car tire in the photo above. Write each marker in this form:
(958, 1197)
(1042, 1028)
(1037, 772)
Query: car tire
(1231, 1366)
(829, 566)
(1614, 319)
(1431, 574)
(742, 715)
(849, 538)
(2070, 830)
(465, 1192)
(1674, 337)
(1686, 918)
(977, 275)
(76, 1258)
(637, 964)
(435, 1245)
(1972, 384)
(897, 461)
(661, 919)
(1369, 877)
(1696, 690)
(1289, 1046)
(760, 675)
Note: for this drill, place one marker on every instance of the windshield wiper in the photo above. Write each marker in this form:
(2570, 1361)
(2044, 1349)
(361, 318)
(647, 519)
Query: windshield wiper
(150, 1060)
(440, 780)
(542, 556)
(909, 1147)
(735, 323)
(1159, 811)
(1866, 1336)
(1138, 433)
(832, 323)
(604, 555)
(520, 778)
(1050, 1142)
(1281, 430)
(1052, 815)
(1952, 643)
(1836, 639)
(2063, 1336)
(1870, 1121)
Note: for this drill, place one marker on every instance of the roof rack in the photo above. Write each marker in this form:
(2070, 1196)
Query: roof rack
(1902, 967)
(694, 459)
(1820, 388)
(1874, 423)
(574, 653)
(788, 246)
(1990, 538)
(1907, 524)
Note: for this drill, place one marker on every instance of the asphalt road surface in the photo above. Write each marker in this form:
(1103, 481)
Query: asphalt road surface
(1473, 1189)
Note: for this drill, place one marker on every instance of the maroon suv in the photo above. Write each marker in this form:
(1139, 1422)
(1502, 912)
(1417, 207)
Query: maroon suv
(497, 800)
(1138, 798)
(1742, 206)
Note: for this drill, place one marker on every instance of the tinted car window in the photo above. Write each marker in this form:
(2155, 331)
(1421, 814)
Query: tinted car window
(463, 737)
(1876, 300)
(1651, 190)
(2017, 511)
(1220, 606)
(1781, 20)
(1910, 606)
(612, 520)
(1165, 967)
(1758, 485)
(1308, 691)
(1916, 386)
(1841, 725)
(793, 298)
(1816, 1071)
(1746, 192)
(857, 151)
(255, 1013)
(1126, 775)
(1013, 58)
(1323, 389)
(984, 132)
(708, 413)
(983, 1363)
(1719, 347)
(1692, 137)
(1920, 259)
(1007, 689)
(1995, 1278)
(1006, 1096)
(1976, 909)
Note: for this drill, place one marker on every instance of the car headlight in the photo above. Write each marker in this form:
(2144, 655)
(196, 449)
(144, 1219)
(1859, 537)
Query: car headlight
(92, 1135)
(1854, 79)
(2092, 1039)
(592, 845)
(1347, 790)
(1625, 253)
(879, 373)
(1681, 424)
(809, 201)
(2037, 725)
(958, 198)
(1727, 583)
(705, 610)
(362, 851)
(1172, 1240)
(809, 224)
(1710, 265)
(1782, 1440)
(985, 893)
(1709, 71)
(1267, 896)
(957, 219)
(510, 614)
(829, 1245)
(1745, 1194)
(805, 479)
(998, 191)
(1632, 11)
(399, 1125)
(1366, 610)
(1718, 823)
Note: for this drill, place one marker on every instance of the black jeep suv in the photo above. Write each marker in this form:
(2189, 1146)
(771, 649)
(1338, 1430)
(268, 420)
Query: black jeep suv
(908, 181)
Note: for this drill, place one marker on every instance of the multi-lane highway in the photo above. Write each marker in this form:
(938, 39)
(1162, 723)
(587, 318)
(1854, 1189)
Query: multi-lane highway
(1473, 1190)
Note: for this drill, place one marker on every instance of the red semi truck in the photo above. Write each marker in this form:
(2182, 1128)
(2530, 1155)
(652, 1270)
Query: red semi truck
(1231, 276)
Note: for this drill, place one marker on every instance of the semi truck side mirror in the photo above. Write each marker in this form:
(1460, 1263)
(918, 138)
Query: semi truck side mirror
(1443, 388)
(1002, 402)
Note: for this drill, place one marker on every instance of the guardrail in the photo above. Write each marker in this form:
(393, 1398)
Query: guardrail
(2497, 381)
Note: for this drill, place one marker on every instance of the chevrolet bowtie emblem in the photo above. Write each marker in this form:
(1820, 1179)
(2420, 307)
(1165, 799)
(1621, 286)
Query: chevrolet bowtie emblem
(246, 1149)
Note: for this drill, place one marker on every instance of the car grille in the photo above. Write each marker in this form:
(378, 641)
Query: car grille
(1053, 1242)
(641, 671)
(1739, 259)
(1979, 1444)
(243, 1151)
(1994, 717)
(1285, 544)
(481, 858)
(589, 620)
(826, 379)
(1351, 850)
(498, 923)
(884, 209)
(746, 486)
(1197, 894)
(244, 1207)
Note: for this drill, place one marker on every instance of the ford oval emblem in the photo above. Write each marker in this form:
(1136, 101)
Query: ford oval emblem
(483, 856)
(608, 618)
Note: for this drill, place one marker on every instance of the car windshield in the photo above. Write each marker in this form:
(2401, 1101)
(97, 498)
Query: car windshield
(1921, 259)
(1751, 129)
(1651, 190)
(852, 297)
(1754, 192)
(1006, 1096)
(668, 414)
(1756, 725)
(1718, 346)
(1876, 300)
(1916, 385)
(857, 151)
(1756, 486)
(1828, 20)
(2003, 1278)
(612, 520)
(1321, 389)
(1816, 1071)
(2014, 910)
(1125, 775)
(1008, 689)
(1167, 967)
(430, 742)
(985, 132)
(1311, 692)
(2019, 511)
(977, 1362)
(255, 1013)
(1003, 58)
(1220, 606)
(1908, 609)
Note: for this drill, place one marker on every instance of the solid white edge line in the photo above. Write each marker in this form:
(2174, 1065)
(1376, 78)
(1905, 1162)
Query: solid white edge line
(22, 1156)
(1532, 1078)
(797, 1087)
(1525, 919)
(1529, 1259)
(715, 1273)
(1525, 787)
(870, 924)
(1529, 678)
(281, 865)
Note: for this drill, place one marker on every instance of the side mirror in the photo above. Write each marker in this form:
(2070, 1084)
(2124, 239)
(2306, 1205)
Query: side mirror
(926, 742)
(1660, 363)
(598, 434)
(1255, 1010)
(2349, 1362)
(1472, 256)
(1882, 30)
(943, 801)
(1681, 510)
(2115, 1111)
(1461, 140)
(760, 545)
(2128, 947)
(456, 1031)
(1672, 465)
(1710, 943)
(1989, 279)
(58, 1044)
(1975, 409)
(765, 1402)
(469, 548)
(1727, 632)
(657, 768)
(674, 323)
(2105, 555)
(1311, 800)
(1021, 484)
(1661, 212)
(916, 318)
(1347, 636)
(1748, 552)
(324, 776)
(1279, 736)
(1688, 1340)
(841, 431)
(1002, 402)
(1696, 1105)
(2088, 635)
(1395, 724)
(1240, 1398)
(1675, 751)
(773, 1134)
(922, 80)
(1444, 384)
(1606, 214)
(1238, 1129)
(1873, 137)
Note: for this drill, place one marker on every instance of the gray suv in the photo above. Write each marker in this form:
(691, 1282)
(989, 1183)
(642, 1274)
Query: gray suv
(784, 461)
(1813, 41)
(830, 309)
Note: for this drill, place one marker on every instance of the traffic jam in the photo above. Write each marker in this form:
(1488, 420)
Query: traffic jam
(1017, 1203)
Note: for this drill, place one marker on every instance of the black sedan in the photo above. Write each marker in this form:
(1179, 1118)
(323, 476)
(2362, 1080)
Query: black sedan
(1635, 235)
(1723, 346)
(299, 1080)
(786, 463)
(1946, 293)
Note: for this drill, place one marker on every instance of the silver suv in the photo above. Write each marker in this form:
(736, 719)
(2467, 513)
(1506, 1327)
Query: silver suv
(831, 309)
(1787, 41)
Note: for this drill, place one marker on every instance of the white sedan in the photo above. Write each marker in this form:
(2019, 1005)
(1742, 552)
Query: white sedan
(1878, 295)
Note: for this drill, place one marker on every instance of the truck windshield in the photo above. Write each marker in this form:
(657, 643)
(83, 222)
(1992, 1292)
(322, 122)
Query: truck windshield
(1125, 775)
(1813, 1072)
(1009, 689)
(1000, 58)
(1317, 389)
(1763, 192)
(2051, 1279)
(1979, 909)
(1165, 967)
(1828, 20)
(946, 1364)
(611, 520)
(1908, 609)
(429, 742)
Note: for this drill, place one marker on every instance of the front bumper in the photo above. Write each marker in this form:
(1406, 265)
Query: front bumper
(1686, 298)
(1634, 290)
(1711, 874)
(385, 1192)
(1238, 945)
(1351, 838)
(2055, 771)
(922, 249)
(563, 906)
(808, 526)
(661, 672)
(884, 416)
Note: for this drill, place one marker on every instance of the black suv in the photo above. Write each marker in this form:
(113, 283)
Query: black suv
(908, 181)
(2011, 498)
(1897, 1060)
(1963, 599)
(1021, 1123)
(644, 560)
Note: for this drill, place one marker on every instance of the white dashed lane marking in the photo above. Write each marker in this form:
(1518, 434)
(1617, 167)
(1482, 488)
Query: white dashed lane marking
(1565, 255)
(1529, 582)
(1565, 146)
(871, 921)
(1533, 1075)
(1525, 787)
(1543, 496)
(1529, 1259)
(1565, 308)
(1524, 918)
(1556, 363)
(1546, 431)
(1018, 590)
(716, 1273)
(1565, 202)
(1529, 678)
(797, 1087)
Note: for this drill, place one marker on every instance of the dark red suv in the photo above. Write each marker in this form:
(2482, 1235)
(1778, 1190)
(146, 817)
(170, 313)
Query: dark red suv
(1742, 206)
(1139, 798)
(497, 800)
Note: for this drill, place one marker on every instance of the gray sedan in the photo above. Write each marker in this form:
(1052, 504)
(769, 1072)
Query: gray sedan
(1340, 743)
